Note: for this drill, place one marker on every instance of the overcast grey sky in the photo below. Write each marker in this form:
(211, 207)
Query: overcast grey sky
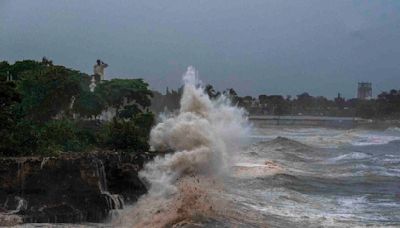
(255, 46)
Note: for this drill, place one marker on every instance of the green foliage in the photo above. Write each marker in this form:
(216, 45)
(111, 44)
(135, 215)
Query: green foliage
(278, 105)
(129, 111)
(4, 70)
(36, 111)
(18, 69)
(366, 109)
(122, 135)
(23, 139)
(132, 135)
(128, 96)
(15, 70)
(29, 138)
(145, 122)
(62, 135)
(388, 104)
(47, 92)
(89, 104)
(117, 92)
(8, 99)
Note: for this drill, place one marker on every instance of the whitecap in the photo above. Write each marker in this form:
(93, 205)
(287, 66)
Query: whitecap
(350, 156)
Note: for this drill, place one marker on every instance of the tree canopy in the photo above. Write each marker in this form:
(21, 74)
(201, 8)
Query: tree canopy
(37, 110)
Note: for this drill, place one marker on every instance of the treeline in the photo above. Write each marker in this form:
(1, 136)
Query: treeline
(46, 109)
(385, 106)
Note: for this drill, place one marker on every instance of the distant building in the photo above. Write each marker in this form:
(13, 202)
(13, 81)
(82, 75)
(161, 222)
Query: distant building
(364, 91)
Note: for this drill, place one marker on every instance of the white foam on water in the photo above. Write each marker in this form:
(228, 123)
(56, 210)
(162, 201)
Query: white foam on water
(352, 203)
(350, 156)
(330, 138)
(367, 140)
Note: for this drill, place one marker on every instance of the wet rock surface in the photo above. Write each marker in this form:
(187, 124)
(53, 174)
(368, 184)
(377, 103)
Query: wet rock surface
(70, 188)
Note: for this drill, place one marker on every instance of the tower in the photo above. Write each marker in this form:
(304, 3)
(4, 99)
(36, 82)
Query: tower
(364, 91)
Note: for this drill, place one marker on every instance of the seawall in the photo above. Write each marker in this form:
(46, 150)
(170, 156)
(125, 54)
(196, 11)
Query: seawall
(322, 121)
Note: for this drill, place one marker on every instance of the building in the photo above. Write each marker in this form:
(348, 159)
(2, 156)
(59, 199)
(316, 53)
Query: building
(364, 91)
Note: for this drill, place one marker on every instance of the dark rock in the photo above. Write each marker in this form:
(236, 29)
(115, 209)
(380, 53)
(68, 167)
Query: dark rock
(70, 188)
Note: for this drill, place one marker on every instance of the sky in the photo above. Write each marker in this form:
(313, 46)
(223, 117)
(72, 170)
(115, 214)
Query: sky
(254, 46)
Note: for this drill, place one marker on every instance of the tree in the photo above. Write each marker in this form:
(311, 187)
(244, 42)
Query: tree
(59, 135)
(18, 69)
(36, 108)
(388, 104)
(366, 109)
(4, 70)
(47, 92)
(8, 99)
(118, 93)
(278, 105)
(246, 101)
(263, 99)
(89, 104)
(304, 102)
(129, 111)
(131, 135)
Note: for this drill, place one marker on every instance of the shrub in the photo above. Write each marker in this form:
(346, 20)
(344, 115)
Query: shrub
(132, 135)
(22, 140)
(61, 135)
(8, 121)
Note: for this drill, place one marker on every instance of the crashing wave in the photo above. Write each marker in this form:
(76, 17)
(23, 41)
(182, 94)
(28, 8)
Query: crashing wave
(203, 135)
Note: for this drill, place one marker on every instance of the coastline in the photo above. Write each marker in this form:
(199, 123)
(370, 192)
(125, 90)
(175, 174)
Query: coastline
(323, 121)
(70, 188)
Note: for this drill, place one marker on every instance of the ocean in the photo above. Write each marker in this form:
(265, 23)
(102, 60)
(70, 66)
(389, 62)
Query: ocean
(324, 177)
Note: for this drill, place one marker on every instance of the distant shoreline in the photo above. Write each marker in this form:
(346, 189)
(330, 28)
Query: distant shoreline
(322, 121)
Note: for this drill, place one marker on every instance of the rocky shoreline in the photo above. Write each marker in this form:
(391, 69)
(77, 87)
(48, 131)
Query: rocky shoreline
(70, 188)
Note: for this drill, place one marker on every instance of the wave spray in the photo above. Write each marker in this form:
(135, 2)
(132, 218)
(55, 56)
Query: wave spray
(202, 135)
